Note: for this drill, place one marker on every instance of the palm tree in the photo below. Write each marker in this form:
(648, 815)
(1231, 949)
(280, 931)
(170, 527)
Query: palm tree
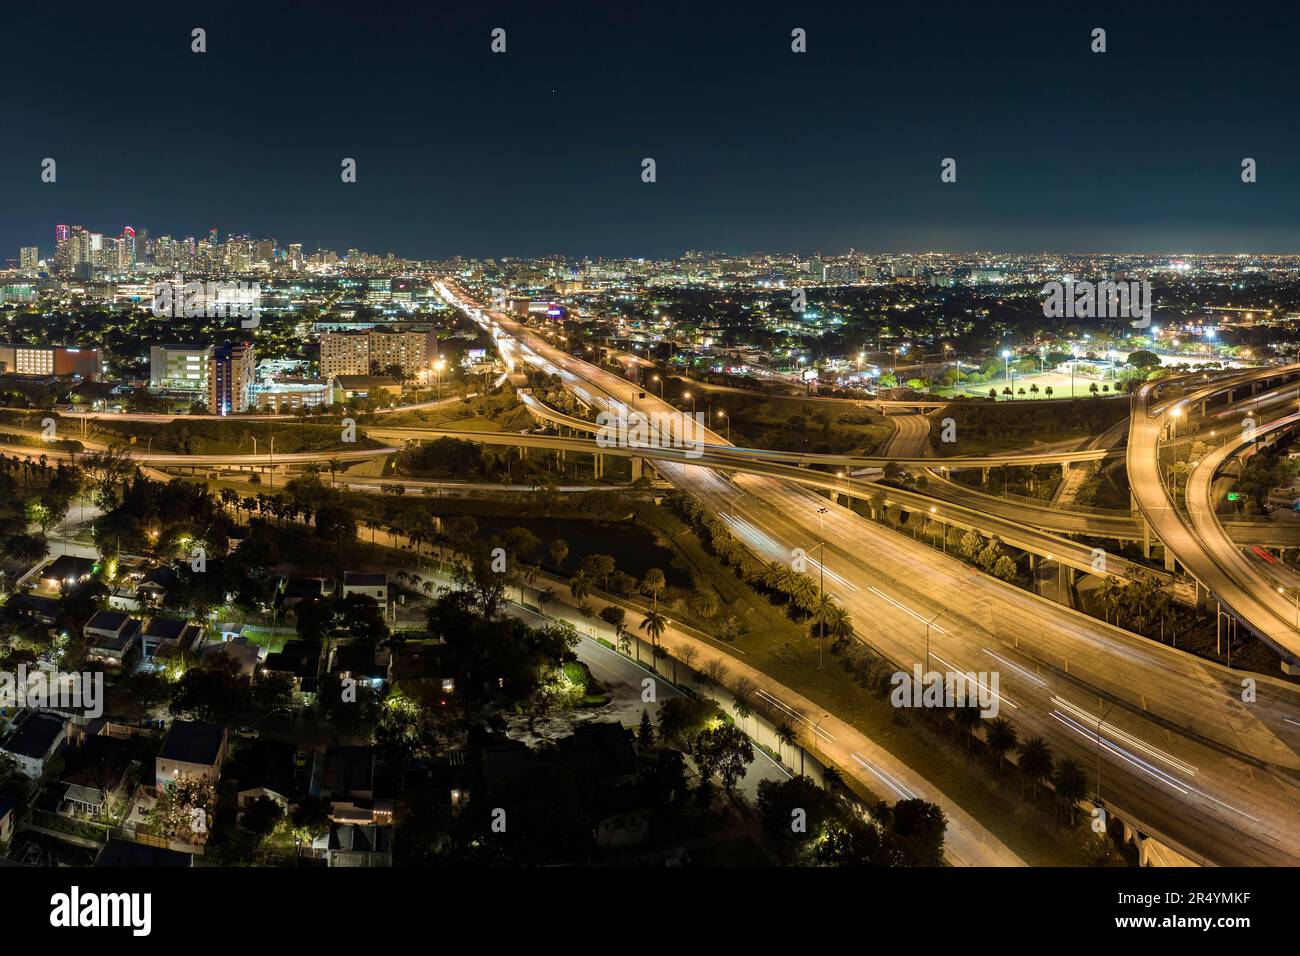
(706, 603)
(742, 699)
(579, 585)
(1000, 738)
(1036, 762)
(559, 551)
(784, 738)
(653, 583)
(374, 525)
(654, 624)
(803, 591)
(334, 465)
(967, 719)
(1112, 592)
(1070, 783)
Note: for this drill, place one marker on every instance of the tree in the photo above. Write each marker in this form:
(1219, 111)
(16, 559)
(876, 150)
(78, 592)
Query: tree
(654, 624)
(1005, 568)
(361, 616)
(614, 616)
(314, 618)
(1036, 762)
(1000, 738)
(559, 551)
(598, 567)
(1144, 360)
(107, 472)
(645, 735)
(724, 751)
(579, 586)
(652, 584)
(916, 831)
(1071, 785)
(181, 811)
(706, 602)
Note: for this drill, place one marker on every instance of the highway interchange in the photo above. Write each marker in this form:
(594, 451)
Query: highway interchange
(1182, 758)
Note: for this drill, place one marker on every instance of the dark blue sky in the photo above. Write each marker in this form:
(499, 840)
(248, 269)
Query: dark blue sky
(539, 150)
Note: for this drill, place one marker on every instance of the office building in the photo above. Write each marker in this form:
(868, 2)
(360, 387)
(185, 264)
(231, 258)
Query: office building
(180, 370)
(232, 371)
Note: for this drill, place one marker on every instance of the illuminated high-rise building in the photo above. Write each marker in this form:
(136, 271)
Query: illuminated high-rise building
(231, 374)
(126, 250)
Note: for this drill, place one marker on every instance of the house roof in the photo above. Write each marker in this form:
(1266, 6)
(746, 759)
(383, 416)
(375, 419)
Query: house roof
(268, 765)
(299, 658)
(363, 580)
(349, 769)
(166, 628)
(347, 382)
(606, 743)
(192, 741)
(361, 839)
(125, 853)
(35, 603)
(98, 763)
(68, 566)
(108, 620)
(35, 735)
(161, 577)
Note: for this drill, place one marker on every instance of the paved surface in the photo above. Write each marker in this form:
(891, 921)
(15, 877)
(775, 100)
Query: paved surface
(1179, 749)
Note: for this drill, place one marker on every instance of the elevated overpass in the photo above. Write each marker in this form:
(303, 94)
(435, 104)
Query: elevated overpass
(1134, 693)
(1207, 555)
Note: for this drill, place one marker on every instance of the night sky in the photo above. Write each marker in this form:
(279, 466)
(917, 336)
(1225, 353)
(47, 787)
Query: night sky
(537, 151)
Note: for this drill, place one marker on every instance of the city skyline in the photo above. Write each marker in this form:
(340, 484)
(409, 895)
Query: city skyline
(538, 150)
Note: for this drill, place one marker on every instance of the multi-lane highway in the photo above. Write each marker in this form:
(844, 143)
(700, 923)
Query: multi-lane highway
(1180, 752)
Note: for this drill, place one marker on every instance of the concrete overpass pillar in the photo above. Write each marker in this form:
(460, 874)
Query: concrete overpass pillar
(1146, 538)
(1065, 470)
(1202, 597)
(1169, 559)
(984, 477)
(637, 468)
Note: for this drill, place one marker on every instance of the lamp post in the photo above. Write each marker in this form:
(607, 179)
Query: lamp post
(722, 414)
(656, 378)
(821, 587)
(438, 366)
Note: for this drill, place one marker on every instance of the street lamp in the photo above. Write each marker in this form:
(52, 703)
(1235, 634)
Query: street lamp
(656, 378)
(722, 414)
(438, 367)
(692, 398)
(821, 587)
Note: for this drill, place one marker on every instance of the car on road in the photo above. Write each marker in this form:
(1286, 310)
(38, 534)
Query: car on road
(247, 733)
